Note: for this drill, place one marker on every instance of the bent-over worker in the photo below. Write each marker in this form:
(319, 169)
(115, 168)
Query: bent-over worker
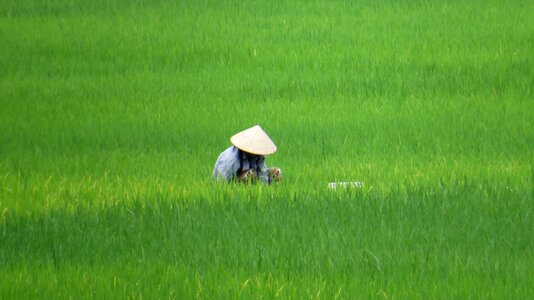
(245, 160)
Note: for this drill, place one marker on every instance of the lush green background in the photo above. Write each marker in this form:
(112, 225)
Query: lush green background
(112, 114)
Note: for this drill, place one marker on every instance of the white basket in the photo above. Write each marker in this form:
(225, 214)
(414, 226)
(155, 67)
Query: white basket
(345, 184)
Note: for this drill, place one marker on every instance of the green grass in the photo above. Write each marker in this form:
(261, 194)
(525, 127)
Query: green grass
(112, 114)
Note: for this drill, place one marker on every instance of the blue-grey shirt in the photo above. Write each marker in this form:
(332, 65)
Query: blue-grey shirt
(234, 161)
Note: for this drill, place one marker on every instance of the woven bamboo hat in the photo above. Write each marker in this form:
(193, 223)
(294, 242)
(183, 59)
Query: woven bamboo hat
(254, 140)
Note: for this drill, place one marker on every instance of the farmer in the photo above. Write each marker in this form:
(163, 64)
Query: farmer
(245, 160)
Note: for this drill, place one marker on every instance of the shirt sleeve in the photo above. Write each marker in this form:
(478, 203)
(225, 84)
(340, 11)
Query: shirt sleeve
(263, 170)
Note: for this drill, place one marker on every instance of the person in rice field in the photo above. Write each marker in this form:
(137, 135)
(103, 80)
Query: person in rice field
(245, 160)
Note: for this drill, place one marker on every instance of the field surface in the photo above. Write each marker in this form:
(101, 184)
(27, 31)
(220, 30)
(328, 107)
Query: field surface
(112, 114)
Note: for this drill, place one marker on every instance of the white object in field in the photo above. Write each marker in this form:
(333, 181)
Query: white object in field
(345, 184)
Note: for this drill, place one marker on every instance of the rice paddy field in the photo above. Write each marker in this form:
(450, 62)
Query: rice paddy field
(112, 114)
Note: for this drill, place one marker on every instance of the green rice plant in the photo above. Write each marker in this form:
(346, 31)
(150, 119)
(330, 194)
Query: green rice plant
(114, 112)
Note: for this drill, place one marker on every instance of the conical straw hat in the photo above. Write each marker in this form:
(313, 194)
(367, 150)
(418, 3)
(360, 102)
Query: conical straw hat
(254, 140)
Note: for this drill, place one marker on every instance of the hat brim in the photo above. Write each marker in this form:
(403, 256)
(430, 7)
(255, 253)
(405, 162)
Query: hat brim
(255, 141)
